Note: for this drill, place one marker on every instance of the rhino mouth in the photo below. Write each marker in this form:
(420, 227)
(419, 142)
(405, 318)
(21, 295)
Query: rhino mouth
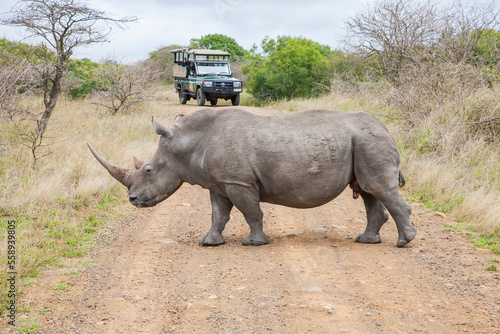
(146, 204)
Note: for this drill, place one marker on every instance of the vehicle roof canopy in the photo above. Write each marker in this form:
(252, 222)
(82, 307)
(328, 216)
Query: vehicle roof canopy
(202, 52)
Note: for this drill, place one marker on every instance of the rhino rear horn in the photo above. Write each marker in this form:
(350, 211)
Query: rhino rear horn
(138, 163)
(161, 130)
(119, 174)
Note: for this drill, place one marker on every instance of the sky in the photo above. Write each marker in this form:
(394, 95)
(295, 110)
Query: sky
(165, 22)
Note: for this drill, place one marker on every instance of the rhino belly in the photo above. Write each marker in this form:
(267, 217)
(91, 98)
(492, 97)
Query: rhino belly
(306, 197)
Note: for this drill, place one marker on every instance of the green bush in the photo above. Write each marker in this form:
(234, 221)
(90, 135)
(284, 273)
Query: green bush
(35, 54)
(220, 42)
(83, 73)
(290, 67)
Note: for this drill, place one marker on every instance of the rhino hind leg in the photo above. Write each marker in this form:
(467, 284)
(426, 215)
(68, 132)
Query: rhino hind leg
(247, 200)
(400, 212)
(377, 216)
(221, 208)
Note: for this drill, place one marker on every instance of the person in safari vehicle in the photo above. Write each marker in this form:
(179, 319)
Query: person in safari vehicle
(190, 70)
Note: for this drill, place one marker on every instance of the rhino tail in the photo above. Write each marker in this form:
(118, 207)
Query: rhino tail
(401, 179)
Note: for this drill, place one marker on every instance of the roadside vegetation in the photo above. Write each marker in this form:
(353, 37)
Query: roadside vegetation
(430, 73)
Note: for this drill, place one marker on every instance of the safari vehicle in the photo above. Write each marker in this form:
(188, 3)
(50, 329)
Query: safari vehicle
(210, 80)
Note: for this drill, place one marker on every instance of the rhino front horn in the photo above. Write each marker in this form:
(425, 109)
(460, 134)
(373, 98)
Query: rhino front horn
(121, 174)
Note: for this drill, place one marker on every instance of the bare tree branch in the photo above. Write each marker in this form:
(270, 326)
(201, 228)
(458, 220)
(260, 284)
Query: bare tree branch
(402, 33)
(125, 85)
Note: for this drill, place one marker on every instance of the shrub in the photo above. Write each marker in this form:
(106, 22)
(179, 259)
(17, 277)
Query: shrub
(290, 67)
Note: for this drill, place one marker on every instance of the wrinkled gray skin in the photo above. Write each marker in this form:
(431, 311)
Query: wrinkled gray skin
(301, 160)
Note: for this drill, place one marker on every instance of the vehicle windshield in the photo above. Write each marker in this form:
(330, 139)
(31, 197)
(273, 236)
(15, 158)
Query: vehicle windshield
(213, 68)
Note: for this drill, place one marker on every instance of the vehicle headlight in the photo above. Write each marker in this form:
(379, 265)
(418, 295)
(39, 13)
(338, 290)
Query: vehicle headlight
(237, 84)
(207, 83)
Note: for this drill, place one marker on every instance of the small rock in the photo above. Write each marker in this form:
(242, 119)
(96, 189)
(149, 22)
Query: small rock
(167, 241)
(439, 214)
(415, 251)
(378, 323)
(320, 230)
(331, 311)
(418, 330)
(212, 297)
(368, 314)
(449, 285)
(271, 264)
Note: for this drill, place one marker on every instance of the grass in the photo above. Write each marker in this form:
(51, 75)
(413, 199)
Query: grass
(491, 268)
(61, 286)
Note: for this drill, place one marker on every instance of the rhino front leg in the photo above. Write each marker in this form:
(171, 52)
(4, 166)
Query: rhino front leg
(221, 208)
(376, 215)
(247, 200)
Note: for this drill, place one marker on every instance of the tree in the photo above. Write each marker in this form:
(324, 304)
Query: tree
(394, 32)
(17, 77)
(124, 85)
(164, 58)
(64, 25)
(290, 67)
(403, 34)
(220, 42)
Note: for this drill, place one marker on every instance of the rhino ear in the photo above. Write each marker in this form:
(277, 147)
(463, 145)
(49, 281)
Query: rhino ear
(161, 130)
(138, 163)
(178, 118)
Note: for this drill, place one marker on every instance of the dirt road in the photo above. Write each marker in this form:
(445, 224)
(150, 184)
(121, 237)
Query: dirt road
(153, 277)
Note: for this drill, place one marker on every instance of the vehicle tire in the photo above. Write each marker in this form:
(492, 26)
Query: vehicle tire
(213, 102)
(235, 100)
(200, 97)
(182, 97)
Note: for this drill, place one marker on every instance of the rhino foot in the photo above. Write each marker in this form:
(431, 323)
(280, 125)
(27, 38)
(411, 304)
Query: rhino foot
(212, 239)
(409, 232)
(366, 238)
(256, 240)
